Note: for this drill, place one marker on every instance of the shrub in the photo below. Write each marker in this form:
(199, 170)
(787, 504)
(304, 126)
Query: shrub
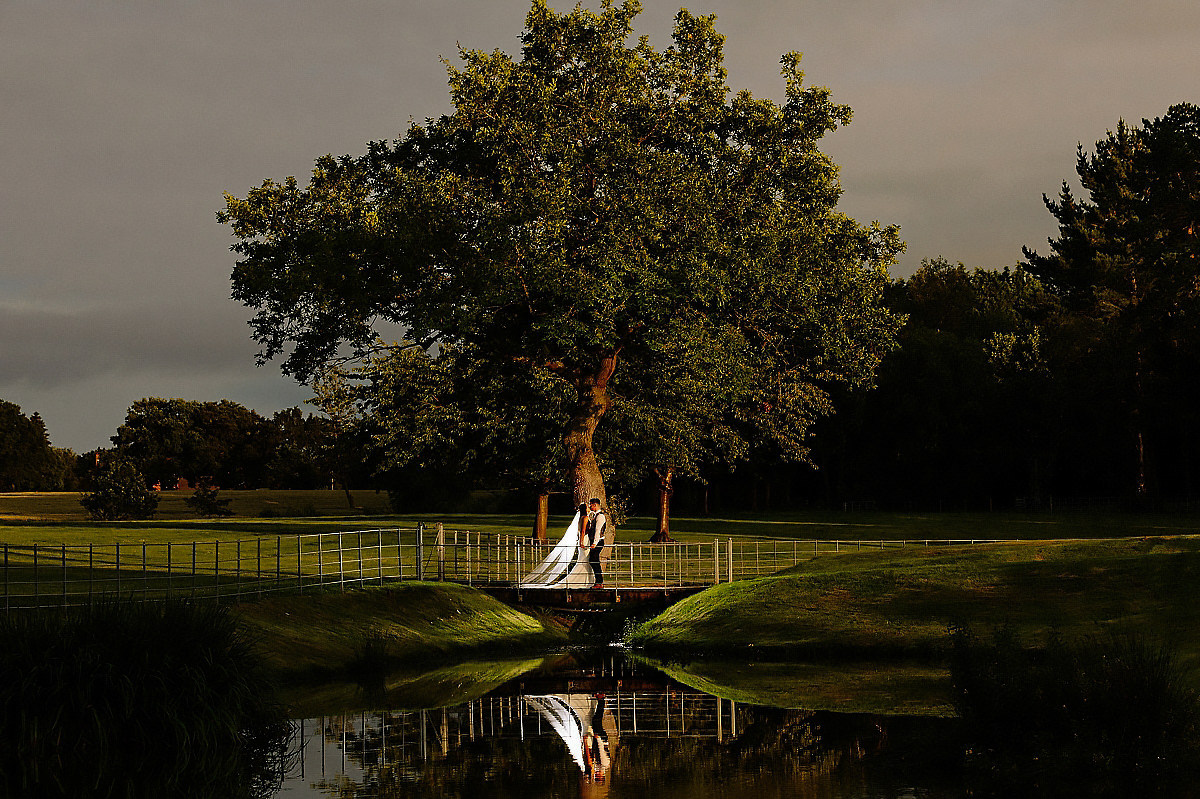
(205, 502)
(120, 493)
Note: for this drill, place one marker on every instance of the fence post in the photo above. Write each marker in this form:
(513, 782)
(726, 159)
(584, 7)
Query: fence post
(729, 556)
(716, 561)
(380, 562)
(320, 561)
(441, 552)
(399, 557)
(468, 560)
(341, 563)
(299, 565)
(420, 550)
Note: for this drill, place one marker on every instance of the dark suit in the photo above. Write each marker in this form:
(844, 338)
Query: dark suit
(597, 524)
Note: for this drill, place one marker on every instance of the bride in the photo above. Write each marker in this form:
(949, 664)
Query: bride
(567, 564)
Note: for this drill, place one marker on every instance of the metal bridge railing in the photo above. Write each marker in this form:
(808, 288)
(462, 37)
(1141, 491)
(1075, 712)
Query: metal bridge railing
(65, 575)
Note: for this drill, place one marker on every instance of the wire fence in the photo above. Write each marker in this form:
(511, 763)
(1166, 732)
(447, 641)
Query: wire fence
(66, 575)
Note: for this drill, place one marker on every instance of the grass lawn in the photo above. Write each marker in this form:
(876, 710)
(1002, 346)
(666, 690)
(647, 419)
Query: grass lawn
(900, 603)
(57, 518)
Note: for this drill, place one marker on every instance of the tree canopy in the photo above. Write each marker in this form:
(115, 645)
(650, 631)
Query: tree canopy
(584, 211)
(1125, 264)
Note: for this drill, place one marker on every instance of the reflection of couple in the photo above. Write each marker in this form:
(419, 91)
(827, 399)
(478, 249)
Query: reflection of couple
(588, 731)
(575, 560)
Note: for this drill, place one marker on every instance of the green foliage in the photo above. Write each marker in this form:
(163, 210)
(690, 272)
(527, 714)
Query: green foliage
(27, 461)
(1125, 264)
(204, 500)
(120, 492)
(584, 211)
(135, 700)
(1102, 717)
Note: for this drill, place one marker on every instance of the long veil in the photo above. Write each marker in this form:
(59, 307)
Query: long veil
(565, 567)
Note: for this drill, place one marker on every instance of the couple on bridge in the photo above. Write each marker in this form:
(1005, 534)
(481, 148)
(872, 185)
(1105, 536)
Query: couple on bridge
(575, 560)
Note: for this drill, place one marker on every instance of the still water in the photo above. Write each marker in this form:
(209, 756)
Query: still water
(603, 725)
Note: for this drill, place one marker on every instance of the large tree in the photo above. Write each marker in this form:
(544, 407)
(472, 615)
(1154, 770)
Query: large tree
(1126, 264)
(27, 461)
(582, 205)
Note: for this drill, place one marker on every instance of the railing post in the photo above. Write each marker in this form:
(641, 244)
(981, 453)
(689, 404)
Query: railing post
(420, 550)
(320, 560)
(441, 552)
(380, 561)
(341, 563)
(399, 557)
(716, 561)
(729, 556)
(299, 563)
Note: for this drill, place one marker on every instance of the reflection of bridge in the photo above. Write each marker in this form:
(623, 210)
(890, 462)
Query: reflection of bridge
(354, 746)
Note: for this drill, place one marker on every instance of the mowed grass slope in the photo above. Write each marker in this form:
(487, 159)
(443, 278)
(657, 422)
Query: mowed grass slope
(330, 632)
(903, 602)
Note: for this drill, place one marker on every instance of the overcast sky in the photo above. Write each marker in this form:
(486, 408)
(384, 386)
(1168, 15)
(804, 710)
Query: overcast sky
(121, 124)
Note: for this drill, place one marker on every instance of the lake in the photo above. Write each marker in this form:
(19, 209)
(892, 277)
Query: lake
(601, 724)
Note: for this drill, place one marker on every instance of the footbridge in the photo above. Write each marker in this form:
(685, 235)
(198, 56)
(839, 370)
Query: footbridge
(64, 575)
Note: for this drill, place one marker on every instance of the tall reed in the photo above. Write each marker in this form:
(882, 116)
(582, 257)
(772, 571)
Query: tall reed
(136, 699)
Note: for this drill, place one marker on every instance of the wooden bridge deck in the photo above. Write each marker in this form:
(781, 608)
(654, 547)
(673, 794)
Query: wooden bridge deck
(582, 600)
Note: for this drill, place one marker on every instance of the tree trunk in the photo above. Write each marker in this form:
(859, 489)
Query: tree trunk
(586, 480)
(662, 532)
(542, 520)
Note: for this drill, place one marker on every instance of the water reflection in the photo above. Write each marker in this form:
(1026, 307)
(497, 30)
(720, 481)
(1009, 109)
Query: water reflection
(611, 728)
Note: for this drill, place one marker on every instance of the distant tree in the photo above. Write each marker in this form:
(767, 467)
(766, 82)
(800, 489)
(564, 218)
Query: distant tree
(347, 443)
(301, 450)
(206, 501)
(965, 411)
(579, 208)
(27, 461)
(1125, 263)
(222, 441)
(120, 492)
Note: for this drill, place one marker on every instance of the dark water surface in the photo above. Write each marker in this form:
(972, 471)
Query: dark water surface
(601, 725)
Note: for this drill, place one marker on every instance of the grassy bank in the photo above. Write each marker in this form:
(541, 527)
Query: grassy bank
(901, 603)
(337, 635)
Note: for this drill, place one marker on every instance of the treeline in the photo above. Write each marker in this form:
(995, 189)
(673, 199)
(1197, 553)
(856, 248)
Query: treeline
(177, 442)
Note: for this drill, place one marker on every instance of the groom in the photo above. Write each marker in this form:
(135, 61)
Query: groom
(597, 524)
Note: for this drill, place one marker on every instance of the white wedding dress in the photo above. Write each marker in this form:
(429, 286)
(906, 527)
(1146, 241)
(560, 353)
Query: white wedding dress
(566, 566)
